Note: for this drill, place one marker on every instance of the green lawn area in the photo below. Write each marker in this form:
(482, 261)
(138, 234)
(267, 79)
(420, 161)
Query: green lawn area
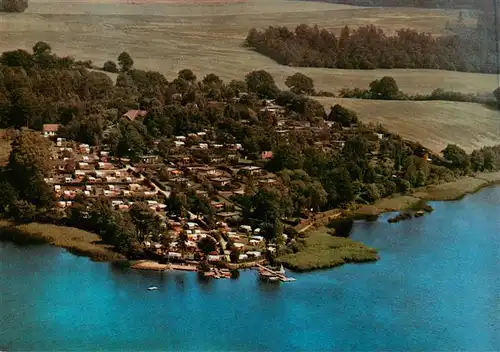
(322, 250)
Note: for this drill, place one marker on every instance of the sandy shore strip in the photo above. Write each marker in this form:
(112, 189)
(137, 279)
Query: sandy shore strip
(152, 265)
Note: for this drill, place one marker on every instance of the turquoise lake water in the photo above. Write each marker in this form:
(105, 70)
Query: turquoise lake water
(435, 288)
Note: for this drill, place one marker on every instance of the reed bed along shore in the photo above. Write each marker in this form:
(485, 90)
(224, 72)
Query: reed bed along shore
(74, 240)
(321, 250)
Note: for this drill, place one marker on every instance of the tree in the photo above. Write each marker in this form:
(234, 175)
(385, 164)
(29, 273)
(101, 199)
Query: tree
(121, 232)
(270, 205)
(300, 84)
(41, 48)
(187, 75)
(477, 160)
(211, 79)
(125, 61)
(19, 57)
(318, 195)
(286, 156)
(29, 163)
(147, 223)
(110, 66)
(13, 5)
(457, 156)
(356, 148)
(23, 211)
(132, 142)
(385, 88)
(496, 93)
(237, 87)
(343, 116)
(166, 241)
(234, 256)
(182, 241)
(176, 203)
(261, 83)
(24, 108)
(99, 215)
(272, 230)
(8, 196)
(207, 244)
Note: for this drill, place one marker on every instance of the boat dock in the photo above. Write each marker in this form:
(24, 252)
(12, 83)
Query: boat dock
(218, 274)
(273, 275)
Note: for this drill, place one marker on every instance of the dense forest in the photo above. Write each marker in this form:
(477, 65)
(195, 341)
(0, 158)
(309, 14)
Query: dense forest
(368, 47)
(39, 87)
(13, 5)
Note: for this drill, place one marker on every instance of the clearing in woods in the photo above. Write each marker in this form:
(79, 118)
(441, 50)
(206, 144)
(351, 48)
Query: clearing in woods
(432, 123)
(168, 36)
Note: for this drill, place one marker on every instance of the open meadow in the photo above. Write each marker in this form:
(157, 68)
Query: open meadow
(207, 36)
(432, 123)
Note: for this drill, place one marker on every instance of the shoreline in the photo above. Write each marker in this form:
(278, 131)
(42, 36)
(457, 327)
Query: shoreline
(83, 243)
(75, 241)
(445, 192)
(309, 257)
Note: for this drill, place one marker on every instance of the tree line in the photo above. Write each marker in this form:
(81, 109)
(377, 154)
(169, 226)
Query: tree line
(387, 88)
(13, 5)
(368, 47)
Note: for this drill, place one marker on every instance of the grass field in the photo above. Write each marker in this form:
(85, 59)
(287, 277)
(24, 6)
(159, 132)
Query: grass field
(432, 123)
(168, 36)
(74, 240)
(322, 250)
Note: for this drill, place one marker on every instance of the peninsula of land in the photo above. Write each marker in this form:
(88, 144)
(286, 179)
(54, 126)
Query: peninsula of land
(190, 172)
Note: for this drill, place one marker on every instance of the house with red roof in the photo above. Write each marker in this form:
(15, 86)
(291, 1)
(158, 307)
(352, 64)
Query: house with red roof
(50, 129)
(266, 155)
(132, 115)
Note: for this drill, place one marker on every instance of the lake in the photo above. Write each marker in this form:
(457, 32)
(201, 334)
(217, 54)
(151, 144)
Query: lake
(435, 288)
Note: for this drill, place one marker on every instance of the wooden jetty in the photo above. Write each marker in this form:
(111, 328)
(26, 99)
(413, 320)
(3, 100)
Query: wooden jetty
(218, 274)
(273, 275)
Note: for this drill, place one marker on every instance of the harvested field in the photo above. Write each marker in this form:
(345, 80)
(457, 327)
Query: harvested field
(207, 37)
(432, 123)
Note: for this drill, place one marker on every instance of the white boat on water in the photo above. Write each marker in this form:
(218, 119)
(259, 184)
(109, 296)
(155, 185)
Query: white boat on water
(282, 270)
(152, 288)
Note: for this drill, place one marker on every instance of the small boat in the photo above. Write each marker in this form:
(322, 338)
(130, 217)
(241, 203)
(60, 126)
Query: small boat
(419, 213)
(152, 288)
